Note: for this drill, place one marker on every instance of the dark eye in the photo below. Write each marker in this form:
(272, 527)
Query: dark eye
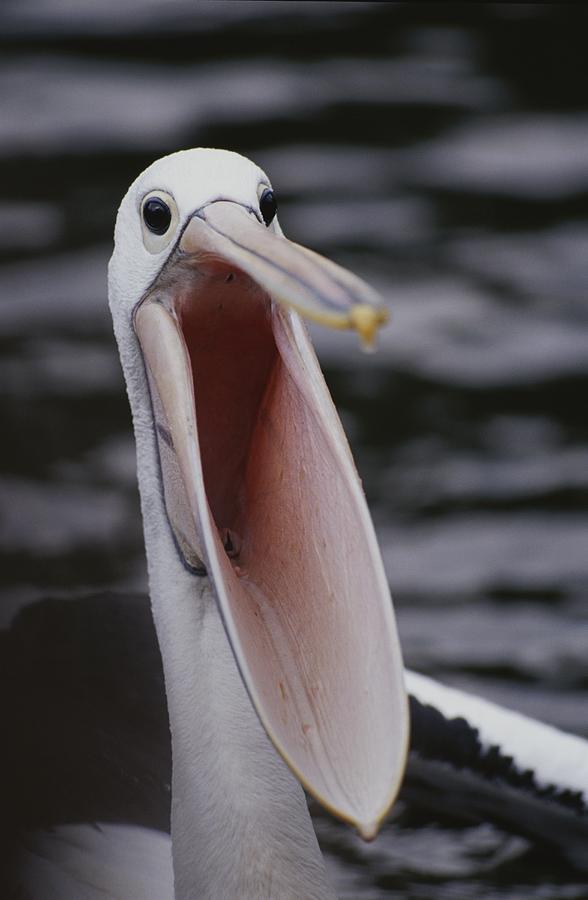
(157, 215)
(268, 206)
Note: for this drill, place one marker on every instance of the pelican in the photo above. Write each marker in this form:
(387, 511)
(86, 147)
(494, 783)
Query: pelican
(278, 642)
(268, 592)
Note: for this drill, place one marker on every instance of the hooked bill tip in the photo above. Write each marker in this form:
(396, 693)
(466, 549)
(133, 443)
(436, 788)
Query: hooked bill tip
(366, 320)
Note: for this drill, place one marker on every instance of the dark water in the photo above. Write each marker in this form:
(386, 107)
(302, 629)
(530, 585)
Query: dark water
(441, 152)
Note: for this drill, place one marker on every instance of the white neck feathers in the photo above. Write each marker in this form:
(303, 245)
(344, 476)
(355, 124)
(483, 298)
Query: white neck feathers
(240, 824)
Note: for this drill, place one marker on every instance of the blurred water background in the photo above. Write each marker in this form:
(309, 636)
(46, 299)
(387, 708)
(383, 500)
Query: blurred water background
(441, 152)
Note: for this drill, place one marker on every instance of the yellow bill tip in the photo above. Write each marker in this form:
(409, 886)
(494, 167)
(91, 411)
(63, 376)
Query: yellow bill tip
(366, 320)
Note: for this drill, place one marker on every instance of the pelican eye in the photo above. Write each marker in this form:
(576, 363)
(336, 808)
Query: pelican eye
(157, 215)
(268, 206)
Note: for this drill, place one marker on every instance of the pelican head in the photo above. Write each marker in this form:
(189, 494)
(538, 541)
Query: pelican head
(251, 472)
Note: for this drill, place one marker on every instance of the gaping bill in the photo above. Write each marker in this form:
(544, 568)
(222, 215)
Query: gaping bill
(260, 490)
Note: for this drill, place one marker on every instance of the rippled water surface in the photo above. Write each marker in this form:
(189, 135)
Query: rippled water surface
(440, 152)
